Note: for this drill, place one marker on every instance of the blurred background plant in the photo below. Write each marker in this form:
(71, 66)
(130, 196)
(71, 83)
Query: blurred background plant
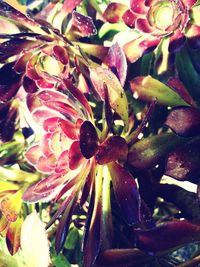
(99, 133)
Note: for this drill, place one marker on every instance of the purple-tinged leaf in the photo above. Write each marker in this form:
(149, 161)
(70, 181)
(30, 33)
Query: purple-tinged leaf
(114, 12)
(116, 61)
(167, 236)
(102, 78)
(41, 114)
(143, 25)
(29, 85)
(140, 46)
(83, 24)
(20, 65)
(112, 149)
(88, 184)
(183, 163)
(75, 156)
(184, 121)
(16, 46)
(147, 152)
(79, 96)
(88, 139)
(61, 54)
(44, 190)
(62, 165)
(149, 89)
(42, 165)
(68, 128)
(69, 5)
(63, 226)
(126, 193)
(92, 235)
(10, 82)
(179, 87)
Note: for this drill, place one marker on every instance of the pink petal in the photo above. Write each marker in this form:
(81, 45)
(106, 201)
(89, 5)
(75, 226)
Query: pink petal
(69, 129)
(138, 47)
(189, 3)
(84, 24)
(143, 25)
(138, 6)
(69, 5)
(44, 190)
(33, 154)
(51, 124)
(129, 18)
(44, 84)
(56, 144)
(75, 156)
(48, 95)
(45, 145)
(63, 162)
(63, 108)
(41, 114)
(42, 165)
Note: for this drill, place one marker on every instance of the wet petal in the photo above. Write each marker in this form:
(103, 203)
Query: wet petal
(51, 124)
(68, 128)
(84, 24)
(126, 193)
(167, 235)
(116, 61)
(42, 165)
(114, 12)
(112, 149)
(88, 139)
(63, 162)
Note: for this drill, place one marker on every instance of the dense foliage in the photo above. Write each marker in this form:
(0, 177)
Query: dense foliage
(99, 133)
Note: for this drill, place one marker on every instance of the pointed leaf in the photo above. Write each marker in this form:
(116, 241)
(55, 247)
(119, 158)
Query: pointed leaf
(102, 78)
(114, 12)
(149, 151)
(126, 193)
(63, 226)
(10, 206)
(34, 242)
(149, 89)
(174, 233)
(116, 61)
(84, 24)
(184, 121)
(75, 156)
(13, 236)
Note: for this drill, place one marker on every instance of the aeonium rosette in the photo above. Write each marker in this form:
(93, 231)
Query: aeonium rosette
(74, 154)
(173, 21)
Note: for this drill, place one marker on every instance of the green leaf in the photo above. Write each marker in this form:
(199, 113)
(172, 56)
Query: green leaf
(72, 239)
(149, 89)
(60, 261)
